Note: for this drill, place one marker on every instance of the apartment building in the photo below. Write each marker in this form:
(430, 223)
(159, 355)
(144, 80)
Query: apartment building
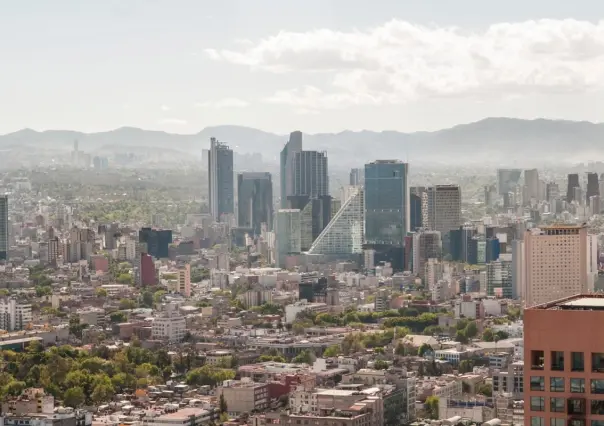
(14, 315)
(244, 396)
(564, 355)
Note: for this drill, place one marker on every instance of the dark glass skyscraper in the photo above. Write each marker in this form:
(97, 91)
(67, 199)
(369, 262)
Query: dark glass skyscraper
(573, 182)
(157, 241)
(220, 179)
(310, 174)
(255, 201)
(593, 186)
(387, 216)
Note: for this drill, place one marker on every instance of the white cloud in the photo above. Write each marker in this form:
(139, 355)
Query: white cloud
(165, 108)
(223, 103)
(399, 61)
(173, 121)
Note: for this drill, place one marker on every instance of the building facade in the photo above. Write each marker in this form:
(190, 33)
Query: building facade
(220, 179)
(254, 201)
(293, 145)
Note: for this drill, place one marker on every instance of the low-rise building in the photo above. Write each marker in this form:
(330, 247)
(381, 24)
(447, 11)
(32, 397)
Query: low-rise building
(244, 396)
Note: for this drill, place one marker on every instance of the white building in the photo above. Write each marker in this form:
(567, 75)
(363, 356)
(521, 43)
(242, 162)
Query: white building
(14, 315)
(170, 327)
(292, 311)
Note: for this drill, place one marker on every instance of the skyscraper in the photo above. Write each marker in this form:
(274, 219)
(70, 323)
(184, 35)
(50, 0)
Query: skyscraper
(345, 232)
(507, 179)
(593, 186)
(311, 177)
(287, 235)
(288, 153)
(573, 182)
(555, 263)
(220, 179)
(444, 208)
(156, 241)
(531, 181)
(4, 245)
(255, 200)
(387, 211)
(357, 177)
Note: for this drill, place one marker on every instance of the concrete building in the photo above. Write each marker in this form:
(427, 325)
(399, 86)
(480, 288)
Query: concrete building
(4, 234)
(244, 396)
(183, 280)
(564, 356)
(444, 208)
(292, 311)
(555, 263)
(507, 179)
(14, 315)
(573, 183)
(532, 184)
(426, 245)
(499, 279)
(220, 180)
(169, 327)
(287, 235)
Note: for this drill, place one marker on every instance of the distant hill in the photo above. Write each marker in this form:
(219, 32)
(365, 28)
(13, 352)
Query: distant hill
(503, 140)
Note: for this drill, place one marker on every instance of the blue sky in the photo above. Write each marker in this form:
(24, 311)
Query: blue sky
(314, 65)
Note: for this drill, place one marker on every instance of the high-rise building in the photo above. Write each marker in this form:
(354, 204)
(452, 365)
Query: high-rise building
(564, 362)
(4, 244)
(287, 235)
(183, 280)
(444, 208)
(220, 179)
(387, 211)
(344, 234)
(315, 214)
(555, 263)
(255, 201)
(357, 177)
(157, 241)
(573, 182)
(499, 279)
(293, 146)
(552, 192)
(311, 176)
(426, 245)
(531, 181)
(14, 315)
(148, 274)
(507, 179)
(518, 270)
(593, 186)
(417, 199)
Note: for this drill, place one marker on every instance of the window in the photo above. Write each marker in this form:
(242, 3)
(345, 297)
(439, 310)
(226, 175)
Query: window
(557, 361)
(597, 406)
(577, 385)
(597, 423)
(556, 384)
(537, 383)
(576, 422)
(576, 406)
(537, 360)
(557, 422)
(577, 361)
(597, 386)
(597, 362)
(556, 405)
(537, 403)
(537, 421)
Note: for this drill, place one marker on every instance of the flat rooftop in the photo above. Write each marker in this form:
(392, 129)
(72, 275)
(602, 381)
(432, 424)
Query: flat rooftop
(579, 302)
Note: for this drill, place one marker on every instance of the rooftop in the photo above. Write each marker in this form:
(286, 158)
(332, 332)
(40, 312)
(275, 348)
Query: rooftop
(579, 302)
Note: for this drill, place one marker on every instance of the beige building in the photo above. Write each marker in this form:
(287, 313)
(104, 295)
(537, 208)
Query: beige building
(555, 263)
(244, 396)
(32, 400)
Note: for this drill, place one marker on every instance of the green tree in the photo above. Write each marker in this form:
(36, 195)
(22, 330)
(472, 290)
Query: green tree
(74, 397)
(118, 317)
(380, 365)
(125, 278)
(158, 296)
(127, 304)
(424, 348)
(223, 404)
(471, 330)
(100, 292)
(431, 406)
(460, 336)
(332, 351)
(147, 299)
(488, 335)
(304, 357)
(501, 335)
(486, 390)
(103, 390)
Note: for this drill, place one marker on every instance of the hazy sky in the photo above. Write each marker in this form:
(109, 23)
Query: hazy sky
(314, 65)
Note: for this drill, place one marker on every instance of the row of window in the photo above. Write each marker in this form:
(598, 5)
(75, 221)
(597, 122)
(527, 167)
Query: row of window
(556, 384)
(577, 361)
(558, 405)
(540, 421)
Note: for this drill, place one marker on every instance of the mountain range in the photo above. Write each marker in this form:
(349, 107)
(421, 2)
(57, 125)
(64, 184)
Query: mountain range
(493, 140)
